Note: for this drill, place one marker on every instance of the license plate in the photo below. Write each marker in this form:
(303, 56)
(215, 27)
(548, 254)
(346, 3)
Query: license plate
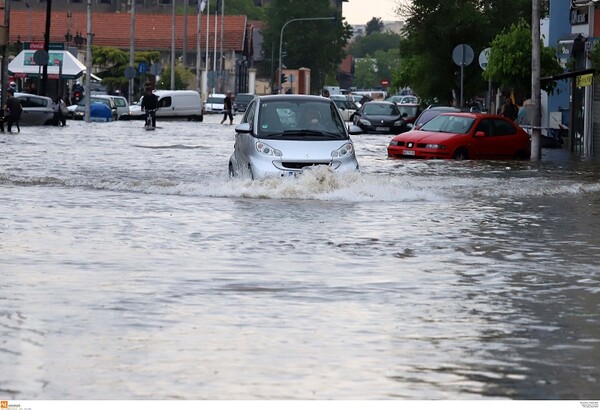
(382, 128)
(408, 152)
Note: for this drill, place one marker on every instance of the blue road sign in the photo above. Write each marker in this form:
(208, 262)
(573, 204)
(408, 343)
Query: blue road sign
(142, 68)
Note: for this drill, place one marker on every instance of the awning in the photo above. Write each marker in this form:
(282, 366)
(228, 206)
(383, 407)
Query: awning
(23, 65)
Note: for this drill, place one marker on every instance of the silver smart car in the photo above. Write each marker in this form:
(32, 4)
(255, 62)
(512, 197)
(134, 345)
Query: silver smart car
(281, 135)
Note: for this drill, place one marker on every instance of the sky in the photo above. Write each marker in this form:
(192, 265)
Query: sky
(361, 11)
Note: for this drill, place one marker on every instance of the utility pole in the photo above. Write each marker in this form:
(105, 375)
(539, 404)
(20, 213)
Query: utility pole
(536, 94)
(131, 50)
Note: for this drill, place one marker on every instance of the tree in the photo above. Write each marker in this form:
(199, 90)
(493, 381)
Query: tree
(434, 27)
(375, 25)
(365, 73)
(318, 45)
(366, 45)
(183, 78)
(112, 63)
(509, 62)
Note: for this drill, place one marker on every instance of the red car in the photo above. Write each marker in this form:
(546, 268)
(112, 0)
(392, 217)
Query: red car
(463, 136)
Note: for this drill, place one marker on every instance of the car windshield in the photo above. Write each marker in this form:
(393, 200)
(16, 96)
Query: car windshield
(300, 120)
(244, 98)
(381, 109)
(216, 100)
(449, 123)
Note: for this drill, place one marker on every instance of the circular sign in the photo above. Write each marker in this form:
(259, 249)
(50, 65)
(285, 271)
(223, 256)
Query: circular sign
(130, 73)
(385, 82)
(40, 57)
(484, 56)
(463, 54)
(156, 69)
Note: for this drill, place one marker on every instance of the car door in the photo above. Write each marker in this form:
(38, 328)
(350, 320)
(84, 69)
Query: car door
(36, 110)
(244, 142)
(498, 141)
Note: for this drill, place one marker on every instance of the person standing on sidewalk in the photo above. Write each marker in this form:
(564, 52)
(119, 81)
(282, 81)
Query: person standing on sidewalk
(228, 108)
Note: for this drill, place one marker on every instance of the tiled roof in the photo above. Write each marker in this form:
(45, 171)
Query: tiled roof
(152, 31)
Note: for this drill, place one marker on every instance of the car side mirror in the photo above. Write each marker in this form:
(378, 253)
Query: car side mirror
(354, 129)
(244, 128)
(480, 134)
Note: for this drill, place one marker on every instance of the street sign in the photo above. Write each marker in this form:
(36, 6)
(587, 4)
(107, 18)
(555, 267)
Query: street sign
(463, 54)
(130, 73)
(385, 82)
(484, 57)
(142, 68)
(156, 69)
(40, 57)
(584, 80)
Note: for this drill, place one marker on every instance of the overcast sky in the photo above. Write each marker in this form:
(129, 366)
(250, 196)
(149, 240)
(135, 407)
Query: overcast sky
(361, 11)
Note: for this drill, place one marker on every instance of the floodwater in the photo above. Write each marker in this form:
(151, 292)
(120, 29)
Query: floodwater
(132, 267)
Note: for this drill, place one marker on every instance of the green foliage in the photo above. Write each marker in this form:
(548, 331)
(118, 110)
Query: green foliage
(368, 45)
(236, 8)
(434, 27)
(183, 78)
(375, 25)
(365, 73)
(318, 45)
(509, 63)
(112, 63)
(595, 57)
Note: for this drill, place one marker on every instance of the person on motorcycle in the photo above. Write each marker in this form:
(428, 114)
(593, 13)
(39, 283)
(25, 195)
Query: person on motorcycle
(150, 105)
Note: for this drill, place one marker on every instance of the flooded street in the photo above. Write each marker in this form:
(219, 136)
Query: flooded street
(132, 267)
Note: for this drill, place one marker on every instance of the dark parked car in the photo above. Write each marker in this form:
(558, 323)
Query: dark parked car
(382, 117)
(432, 112)
(241, 102)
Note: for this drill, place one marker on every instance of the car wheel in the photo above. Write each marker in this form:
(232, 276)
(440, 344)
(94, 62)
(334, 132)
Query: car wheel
(460, 154)
(231, 171)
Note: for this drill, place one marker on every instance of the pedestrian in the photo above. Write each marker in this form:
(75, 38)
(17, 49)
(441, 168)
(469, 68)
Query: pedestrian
(228, 108)
(325, 93)
(60, 112)
(12, 110)
(509, 109)
(12, 86)
(150, 105)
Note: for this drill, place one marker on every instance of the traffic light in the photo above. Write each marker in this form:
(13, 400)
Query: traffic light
(283, 78)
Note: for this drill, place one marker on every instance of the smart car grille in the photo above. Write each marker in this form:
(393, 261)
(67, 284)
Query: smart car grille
(300, 165)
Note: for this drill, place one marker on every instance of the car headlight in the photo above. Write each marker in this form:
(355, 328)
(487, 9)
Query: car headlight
(435, 146)
(365, 122)
(398, 123)
(394, 143)
(266, 149)
(344, 150)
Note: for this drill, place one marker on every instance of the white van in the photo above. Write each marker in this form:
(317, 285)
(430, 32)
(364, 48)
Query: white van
(173, 104)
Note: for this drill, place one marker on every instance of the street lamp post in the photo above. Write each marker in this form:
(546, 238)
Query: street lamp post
(281, 40)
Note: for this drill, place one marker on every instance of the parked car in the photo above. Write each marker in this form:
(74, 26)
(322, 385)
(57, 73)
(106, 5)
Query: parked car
(215, 104)
(403, 99)
(432, 112)
(241, 102)
(282, 135)
(409, 111)
(346, 106)
(463, 135)
(173, 104)
(79, 112)
(37, 110)
(122, 105)
(380, 117)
